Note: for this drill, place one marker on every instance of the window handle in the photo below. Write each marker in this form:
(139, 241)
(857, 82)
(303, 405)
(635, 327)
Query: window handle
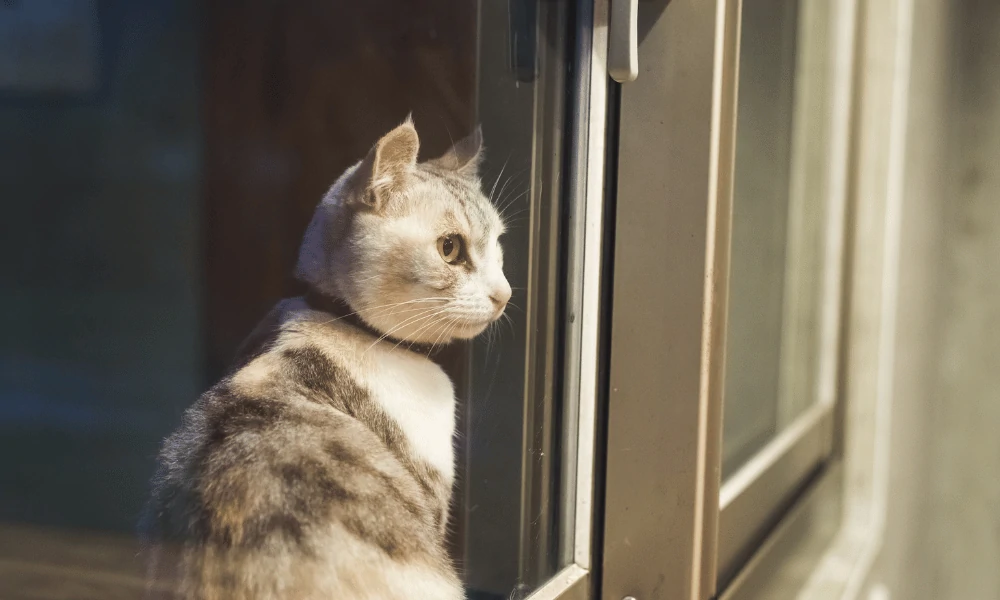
(623, 41)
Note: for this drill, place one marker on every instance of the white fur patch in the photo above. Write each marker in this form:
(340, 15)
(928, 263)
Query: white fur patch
(418, 394)
(412, 389)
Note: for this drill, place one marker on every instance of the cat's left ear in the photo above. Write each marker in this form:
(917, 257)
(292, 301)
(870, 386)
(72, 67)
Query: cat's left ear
(464, 157)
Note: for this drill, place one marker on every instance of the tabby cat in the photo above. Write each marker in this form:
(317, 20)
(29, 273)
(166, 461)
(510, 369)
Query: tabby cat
(321, 466)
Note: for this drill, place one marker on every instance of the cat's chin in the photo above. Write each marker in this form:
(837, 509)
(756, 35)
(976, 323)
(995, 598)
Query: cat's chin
(468, 331)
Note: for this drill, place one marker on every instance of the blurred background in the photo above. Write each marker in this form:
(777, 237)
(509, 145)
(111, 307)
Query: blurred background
(159, 160)
(942, 464)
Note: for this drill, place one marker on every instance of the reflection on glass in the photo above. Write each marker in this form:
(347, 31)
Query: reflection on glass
(157, 181)
(778, 215)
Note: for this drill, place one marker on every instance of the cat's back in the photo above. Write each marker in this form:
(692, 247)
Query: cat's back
(291, 478)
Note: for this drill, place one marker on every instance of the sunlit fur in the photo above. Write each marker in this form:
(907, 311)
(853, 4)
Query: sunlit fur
(384, 260)
(322, 465)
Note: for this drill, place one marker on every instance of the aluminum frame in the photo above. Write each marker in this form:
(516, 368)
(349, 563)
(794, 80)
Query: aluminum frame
(575, 581)
(760, 493)
(672, 233)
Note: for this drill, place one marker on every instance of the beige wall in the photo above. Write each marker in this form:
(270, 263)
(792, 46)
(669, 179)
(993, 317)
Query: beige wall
(942, 538)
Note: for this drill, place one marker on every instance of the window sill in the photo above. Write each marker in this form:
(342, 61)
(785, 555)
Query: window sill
(786, 561)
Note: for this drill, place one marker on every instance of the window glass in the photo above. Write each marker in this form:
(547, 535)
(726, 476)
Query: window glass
(779, 217)
(159, 168)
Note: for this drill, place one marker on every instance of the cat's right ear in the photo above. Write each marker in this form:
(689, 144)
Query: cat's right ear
(387, 167)
(464, 156)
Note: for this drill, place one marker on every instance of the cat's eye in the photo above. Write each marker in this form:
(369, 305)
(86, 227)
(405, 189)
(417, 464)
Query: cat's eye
(450, 247)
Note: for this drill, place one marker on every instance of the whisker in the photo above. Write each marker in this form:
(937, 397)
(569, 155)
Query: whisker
(514, 223)
(450, 326)
(498, 177)
(512, 305)
(414, 319)
(510, 321)
(514, 177)
(494, 333)
(386, 306)
(429, 325)
(507, 218)
(489, 338)
(510, 202)
(503, 187)
(410, 342)
(401, 340)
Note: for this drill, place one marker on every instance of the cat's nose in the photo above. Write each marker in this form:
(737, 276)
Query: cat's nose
(500, 296)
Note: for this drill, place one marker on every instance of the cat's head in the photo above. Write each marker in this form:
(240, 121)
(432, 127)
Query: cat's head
(412, 247)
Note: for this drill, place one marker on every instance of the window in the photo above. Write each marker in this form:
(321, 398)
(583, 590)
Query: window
(159, 209)
(786, 278)
(727, 270)
(665, 389)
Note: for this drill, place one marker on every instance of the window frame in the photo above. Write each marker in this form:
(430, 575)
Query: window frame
(664, 457)
(585, 188)
(719, 530)
(758, 495)
(668, 319)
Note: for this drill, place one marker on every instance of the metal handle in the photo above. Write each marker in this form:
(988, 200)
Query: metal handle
(623, 41)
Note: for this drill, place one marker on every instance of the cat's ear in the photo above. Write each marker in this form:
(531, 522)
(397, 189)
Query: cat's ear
(464, 157)
(388, 165)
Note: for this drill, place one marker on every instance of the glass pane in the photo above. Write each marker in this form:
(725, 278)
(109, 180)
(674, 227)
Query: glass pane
(778, 233)
(161, 161)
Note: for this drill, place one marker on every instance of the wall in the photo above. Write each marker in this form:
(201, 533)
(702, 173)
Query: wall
(942, 538)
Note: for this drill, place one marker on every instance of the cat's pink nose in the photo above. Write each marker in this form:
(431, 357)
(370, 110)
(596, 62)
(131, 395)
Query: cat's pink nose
(500, 296)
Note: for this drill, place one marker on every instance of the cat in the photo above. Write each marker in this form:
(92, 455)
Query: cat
(321, 466)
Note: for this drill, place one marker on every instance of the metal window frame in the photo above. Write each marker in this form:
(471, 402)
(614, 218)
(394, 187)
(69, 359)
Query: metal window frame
(586, 188)
(780, 565)
(670, 271)
(522, 451)
(669, 525)
(760, 493)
